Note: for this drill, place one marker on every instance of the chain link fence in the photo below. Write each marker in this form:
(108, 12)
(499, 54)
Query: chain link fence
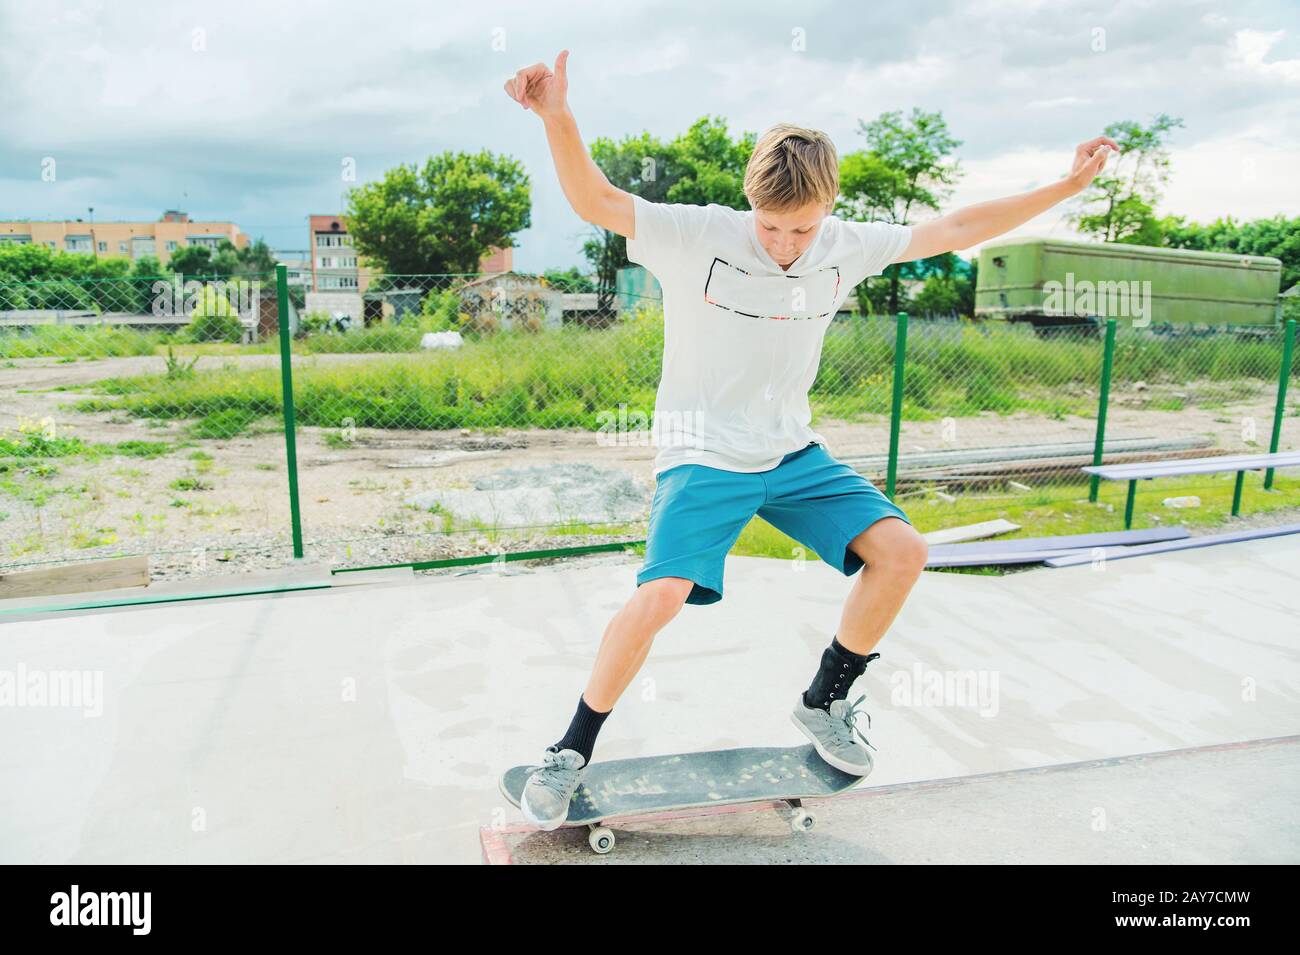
(998, 418)
(441, 417)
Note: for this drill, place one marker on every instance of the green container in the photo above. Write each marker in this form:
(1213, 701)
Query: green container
(1065, 282)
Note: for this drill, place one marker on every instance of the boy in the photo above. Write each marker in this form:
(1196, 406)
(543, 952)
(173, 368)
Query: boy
(747, 298)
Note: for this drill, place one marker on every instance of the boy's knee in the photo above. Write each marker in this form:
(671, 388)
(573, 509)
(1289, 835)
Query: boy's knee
(896, 549)
(913, 553)
(667, 593)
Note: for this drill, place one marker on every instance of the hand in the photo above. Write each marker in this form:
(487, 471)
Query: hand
(1090, 159)
(537, 88)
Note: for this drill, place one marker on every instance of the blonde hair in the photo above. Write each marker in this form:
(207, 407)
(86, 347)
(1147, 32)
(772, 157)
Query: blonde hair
(792, 167)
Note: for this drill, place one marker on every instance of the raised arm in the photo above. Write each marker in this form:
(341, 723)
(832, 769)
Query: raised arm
(964, 228)
(592, 195)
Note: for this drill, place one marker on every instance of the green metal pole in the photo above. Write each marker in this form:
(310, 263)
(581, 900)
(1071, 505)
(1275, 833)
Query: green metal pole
(1107, 362)
(896, 411)
(1288, 349)
(286, 378)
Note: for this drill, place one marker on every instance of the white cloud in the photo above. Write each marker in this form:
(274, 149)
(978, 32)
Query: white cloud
(253, 127)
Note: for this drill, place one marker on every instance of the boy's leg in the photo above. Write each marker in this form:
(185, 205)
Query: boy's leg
(629, 636)
(831, 508)
(697, 514)
(893, 555)
(623, 649)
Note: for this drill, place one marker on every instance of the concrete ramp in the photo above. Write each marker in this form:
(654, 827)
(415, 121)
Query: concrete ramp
(1229, 804)
(369, 723)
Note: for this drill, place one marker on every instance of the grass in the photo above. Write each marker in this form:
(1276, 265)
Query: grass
(576, 377)
(34, 444)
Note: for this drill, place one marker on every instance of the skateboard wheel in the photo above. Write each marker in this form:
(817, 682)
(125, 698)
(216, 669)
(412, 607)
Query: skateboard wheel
(600, 839)
(801, 820)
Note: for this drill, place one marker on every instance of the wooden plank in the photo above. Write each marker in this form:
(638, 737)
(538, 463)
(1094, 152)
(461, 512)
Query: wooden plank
(969, 532)
(112, 574)
(1191, 543)
(1231, 462)
(995, 558)
(1064, 542)
(301, 575)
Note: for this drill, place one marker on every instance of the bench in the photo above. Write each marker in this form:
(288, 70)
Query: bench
(1241, 463)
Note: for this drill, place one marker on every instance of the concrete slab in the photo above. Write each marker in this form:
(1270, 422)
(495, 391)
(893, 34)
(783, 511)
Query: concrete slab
(370, 723)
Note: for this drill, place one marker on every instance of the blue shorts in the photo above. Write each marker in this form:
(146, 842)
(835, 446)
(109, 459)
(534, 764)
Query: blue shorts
(698, 512)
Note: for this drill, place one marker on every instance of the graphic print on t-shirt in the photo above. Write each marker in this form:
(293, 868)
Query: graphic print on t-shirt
(772, 296)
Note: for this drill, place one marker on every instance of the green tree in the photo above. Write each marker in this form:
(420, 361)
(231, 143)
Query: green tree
(703, 165)
(193, 261)
(35, 276)
(905, 169)
(940, 295)
(214, 318)
(255, 259)
(441, 218)
(643, 166)
(200, 262)
(1124, 195)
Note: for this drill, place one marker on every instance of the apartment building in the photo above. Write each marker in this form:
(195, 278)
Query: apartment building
(298, 266)
(117, 240)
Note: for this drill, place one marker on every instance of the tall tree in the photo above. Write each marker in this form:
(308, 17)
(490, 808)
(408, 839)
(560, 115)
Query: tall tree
(1124, 196)
(904, 169)
(193, 261)
(442, 217)
(703, 165)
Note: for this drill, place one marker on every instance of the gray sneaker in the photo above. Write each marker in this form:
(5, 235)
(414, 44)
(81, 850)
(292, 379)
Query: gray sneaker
(550, 788)
(832, 734)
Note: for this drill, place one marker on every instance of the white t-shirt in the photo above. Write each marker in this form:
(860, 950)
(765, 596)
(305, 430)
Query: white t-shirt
(742, 337)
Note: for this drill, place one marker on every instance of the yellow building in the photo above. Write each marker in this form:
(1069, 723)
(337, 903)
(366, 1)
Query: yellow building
(117, 240)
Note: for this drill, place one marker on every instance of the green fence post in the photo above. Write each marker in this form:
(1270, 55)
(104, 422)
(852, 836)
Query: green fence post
(1288, 349)
(286, 379)
(896, 411)
(1107, 362)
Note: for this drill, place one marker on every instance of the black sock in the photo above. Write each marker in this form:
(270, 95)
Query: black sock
(582, 731)
(839, 668)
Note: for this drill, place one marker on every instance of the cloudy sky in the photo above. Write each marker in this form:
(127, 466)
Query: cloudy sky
(246, 111)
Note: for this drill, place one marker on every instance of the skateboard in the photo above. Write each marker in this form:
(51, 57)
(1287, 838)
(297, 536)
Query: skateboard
(652, 784)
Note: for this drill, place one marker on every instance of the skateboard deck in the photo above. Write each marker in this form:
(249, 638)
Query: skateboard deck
(650, 784)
